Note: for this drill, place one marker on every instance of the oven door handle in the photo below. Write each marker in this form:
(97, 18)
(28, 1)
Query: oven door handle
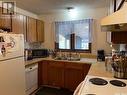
(78, 88)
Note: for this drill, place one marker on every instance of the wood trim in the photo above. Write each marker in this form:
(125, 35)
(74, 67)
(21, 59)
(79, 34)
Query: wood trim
(11, 22)
(27, 29)
(73, 50)
(72, 41)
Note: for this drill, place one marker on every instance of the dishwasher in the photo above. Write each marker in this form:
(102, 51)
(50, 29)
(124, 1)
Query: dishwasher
(31, 75)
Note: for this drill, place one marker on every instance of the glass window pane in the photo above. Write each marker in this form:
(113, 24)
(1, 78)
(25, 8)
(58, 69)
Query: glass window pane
(64, 41)
(63, 35)
(81, 31)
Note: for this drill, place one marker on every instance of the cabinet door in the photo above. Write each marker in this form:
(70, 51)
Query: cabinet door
(40, 31)
(5, 21)
(51, 73)
(73, 75)
(119, 37)
(19, 24)
(56, 74)
(43, 73)
(31, 30)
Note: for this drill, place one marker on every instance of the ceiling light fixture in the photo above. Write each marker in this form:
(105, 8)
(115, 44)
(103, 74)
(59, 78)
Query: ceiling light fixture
(70, 8)
(72, 12)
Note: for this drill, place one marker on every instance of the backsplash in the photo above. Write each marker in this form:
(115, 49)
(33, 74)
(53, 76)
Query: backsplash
(35, 45)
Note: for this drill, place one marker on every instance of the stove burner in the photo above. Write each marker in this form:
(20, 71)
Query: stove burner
(98, 81)
(118, 83)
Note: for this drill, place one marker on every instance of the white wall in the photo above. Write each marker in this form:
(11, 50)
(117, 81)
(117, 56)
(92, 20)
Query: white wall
(99, 38)
(26, 13)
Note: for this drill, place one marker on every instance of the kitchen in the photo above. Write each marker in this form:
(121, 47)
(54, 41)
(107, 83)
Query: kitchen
(37, 25)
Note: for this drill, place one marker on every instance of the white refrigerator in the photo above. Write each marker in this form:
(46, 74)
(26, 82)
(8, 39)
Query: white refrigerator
(12, 68)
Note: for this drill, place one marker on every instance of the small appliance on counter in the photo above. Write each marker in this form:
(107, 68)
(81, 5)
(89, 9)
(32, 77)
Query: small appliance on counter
(35, 53)
(100, 55)
(28, 54)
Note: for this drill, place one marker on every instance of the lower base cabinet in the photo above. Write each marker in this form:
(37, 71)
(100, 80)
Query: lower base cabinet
(62, 74)
(73, 75)
(56, 74)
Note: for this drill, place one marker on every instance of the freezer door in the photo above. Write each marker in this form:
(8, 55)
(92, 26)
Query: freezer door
(12, 77)
(11, 46)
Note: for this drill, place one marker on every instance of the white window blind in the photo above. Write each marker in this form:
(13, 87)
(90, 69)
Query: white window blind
(81, 30)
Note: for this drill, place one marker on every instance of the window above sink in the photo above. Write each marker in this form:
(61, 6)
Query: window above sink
(73, 35)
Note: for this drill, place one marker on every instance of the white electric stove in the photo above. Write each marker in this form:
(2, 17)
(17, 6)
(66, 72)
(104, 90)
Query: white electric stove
(94, 85)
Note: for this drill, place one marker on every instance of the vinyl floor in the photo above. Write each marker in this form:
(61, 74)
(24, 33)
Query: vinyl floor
(53, 91)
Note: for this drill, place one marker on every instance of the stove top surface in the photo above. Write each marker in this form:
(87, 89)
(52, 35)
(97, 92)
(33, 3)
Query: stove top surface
(118, 83)
(98, 81)
(104, 86)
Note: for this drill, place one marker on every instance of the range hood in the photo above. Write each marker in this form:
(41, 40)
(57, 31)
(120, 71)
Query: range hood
(117, 21)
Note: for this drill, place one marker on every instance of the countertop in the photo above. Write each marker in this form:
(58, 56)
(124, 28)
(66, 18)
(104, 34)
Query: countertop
(98, 69)
(83, 60)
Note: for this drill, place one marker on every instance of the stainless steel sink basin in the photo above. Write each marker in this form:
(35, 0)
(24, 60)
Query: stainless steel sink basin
(60, 58)
(74, 59)
(68, 59)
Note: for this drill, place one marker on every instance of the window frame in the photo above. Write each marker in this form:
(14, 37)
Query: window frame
(73, 50)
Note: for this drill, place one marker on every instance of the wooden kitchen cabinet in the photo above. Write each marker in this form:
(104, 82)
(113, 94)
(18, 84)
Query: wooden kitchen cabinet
(56, 74)
(62, 74)
(31, 30)
(19, 24)
(40, 31)
(117, 37)
(5, 21)
(75, 74)
(51, 73)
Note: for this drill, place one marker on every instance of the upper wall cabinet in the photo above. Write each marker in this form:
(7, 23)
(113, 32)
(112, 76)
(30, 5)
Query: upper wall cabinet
(119, 37)
(40, 31)
(31, 30)
(5, 21)
(19, 24)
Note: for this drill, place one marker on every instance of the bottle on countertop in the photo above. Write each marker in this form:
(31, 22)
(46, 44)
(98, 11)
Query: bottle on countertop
(3, 50)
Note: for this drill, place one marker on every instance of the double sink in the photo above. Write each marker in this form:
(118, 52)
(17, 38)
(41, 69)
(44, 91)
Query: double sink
(68, 58)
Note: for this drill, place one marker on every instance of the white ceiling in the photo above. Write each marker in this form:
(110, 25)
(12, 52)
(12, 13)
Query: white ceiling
(50, 6)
